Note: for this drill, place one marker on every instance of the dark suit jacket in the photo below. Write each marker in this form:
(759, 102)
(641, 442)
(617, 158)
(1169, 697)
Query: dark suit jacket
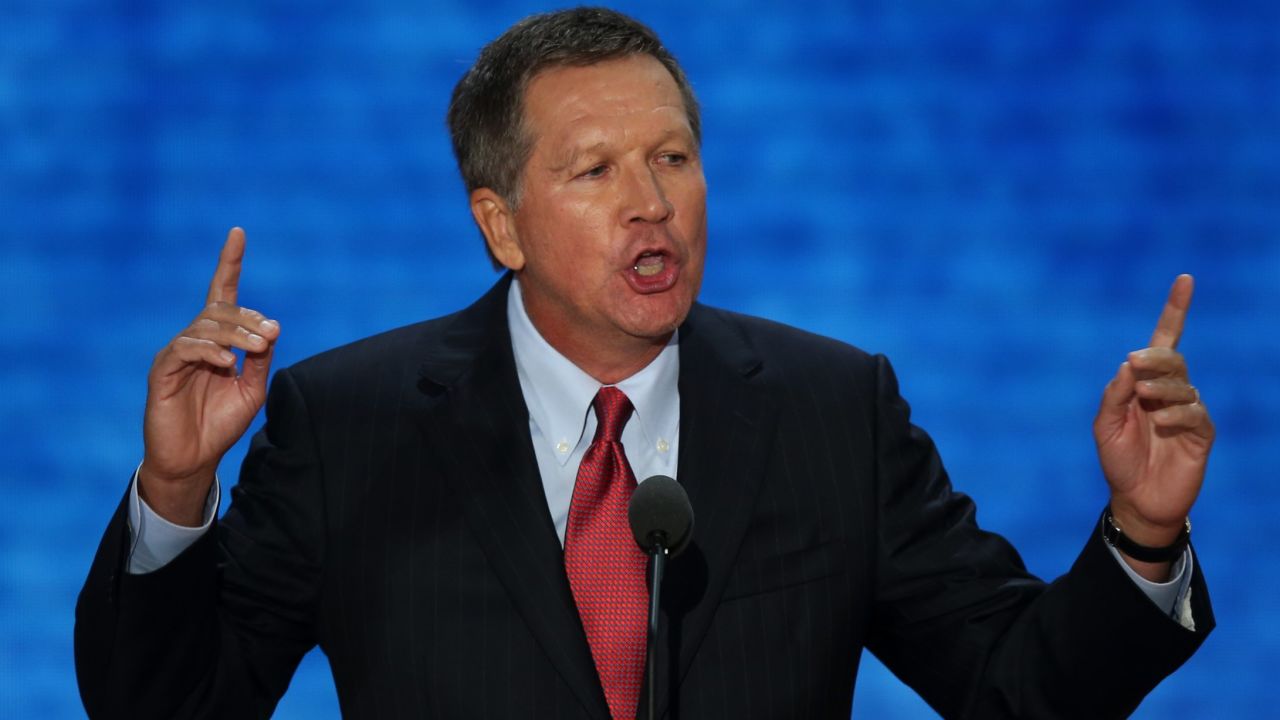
(391, 511)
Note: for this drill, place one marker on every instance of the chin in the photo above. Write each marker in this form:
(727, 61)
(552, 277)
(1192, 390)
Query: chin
(658, 320)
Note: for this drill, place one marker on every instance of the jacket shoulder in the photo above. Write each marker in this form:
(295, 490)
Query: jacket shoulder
(789, 349)
(376, 353)
(402, 351)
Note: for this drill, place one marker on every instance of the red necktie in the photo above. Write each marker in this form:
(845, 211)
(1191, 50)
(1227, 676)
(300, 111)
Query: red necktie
(605, 566)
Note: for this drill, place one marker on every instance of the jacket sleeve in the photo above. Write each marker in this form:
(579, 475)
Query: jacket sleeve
(218, 631)
(960, 620)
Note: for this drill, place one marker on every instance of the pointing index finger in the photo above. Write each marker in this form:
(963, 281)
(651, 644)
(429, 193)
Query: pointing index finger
(1169, 327)
(226, 279)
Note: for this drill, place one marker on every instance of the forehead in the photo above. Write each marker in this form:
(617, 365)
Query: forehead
(565, 101)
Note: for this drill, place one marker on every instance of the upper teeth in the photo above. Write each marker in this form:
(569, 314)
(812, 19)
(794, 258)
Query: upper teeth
(652, 267)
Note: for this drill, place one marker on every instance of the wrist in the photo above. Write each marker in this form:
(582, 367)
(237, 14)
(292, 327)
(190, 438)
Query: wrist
(1155, 546)
(1143, 531)
(179, 500)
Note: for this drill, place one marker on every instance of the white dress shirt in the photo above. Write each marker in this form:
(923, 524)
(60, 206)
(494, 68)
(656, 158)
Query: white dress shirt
(562, 424)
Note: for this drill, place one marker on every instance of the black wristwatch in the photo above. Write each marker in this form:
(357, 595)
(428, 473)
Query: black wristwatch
(1116, 538)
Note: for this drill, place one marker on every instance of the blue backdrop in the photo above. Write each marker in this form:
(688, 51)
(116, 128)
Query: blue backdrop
(996, 194)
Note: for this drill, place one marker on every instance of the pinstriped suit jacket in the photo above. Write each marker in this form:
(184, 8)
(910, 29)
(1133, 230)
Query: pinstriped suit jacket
(391, 512)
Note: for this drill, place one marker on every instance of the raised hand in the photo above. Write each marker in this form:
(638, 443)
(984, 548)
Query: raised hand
(198, 406)
(1154, 434)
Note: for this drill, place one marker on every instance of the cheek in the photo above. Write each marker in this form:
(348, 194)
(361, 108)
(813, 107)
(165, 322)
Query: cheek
(551, 233)
(585, 236)
(692, 211)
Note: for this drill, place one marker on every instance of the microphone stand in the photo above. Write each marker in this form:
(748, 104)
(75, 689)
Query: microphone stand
(658, 554)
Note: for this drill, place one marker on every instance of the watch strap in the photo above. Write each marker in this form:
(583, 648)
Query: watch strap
(1117, 539)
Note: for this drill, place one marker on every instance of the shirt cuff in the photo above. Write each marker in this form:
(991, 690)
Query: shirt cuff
(1172, 597)
(157, 541)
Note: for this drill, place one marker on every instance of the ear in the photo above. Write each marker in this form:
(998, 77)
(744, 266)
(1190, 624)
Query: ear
(497, 222)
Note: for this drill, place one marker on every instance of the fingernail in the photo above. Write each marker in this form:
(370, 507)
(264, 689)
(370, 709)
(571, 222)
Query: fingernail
(269, 325)
(256, 339)
(227, 356)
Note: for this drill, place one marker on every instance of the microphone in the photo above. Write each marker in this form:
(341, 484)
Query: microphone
(662, 524)
(660, 515)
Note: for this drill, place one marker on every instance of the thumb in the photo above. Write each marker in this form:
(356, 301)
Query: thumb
(257, 368)
(1115, 403)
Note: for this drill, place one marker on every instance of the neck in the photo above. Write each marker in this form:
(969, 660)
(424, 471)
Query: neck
(609, 360)
(610, 365)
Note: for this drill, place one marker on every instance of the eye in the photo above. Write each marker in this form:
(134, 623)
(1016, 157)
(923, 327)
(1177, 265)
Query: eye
(596, 171)
(673, 158)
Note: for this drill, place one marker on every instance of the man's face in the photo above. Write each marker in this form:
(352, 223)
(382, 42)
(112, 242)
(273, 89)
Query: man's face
(612, 218)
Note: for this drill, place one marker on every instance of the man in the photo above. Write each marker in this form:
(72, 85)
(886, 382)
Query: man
(438, 507)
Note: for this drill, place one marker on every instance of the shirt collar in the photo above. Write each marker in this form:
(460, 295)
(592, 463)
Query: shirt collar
(559, 393)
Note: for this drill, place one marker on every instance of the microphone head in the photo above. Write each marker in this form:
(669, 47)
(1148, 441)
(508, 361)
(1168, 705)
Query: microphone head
(660, 513)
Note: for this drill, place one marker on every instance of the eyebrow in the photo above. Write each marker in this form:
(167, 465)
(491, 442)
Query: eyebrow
(578, 151)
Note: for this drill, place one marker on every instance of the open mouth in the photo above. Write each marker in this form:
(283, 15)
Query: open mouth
(653, 271)
(650, 264)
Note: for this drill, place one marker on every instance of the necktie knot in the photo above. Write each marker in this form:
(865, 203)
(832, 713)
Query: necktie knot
(613, 409)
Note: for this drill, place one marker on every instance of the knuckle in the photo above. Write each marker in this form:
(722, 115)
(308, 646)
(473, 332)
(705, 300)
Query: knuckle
(222, 310)
(186, 345)
(205, 324)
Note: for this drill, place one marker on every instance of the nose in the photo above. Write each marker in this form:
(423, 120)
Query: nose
(645, 200)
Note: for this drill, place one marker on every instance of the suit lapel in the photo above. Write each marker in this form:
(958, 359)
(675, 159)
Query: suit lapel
(483, 438)
(478, 425)
(726, 431)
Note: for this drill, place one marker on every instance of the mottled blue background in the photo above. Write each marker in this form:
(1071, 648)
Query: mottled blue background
(996, 194)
